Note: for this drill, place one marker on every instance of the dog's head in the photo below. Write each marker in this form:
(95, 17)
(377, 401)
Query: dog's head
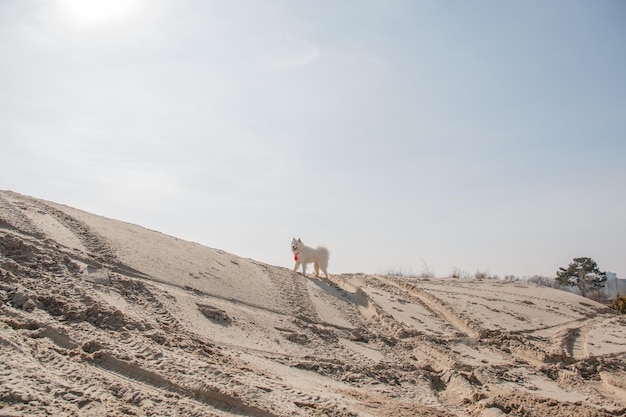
(296, 245)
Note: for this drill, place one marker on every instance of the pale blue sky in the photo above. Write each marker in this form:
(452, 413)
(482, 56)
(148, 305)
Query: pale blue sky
(481, 135)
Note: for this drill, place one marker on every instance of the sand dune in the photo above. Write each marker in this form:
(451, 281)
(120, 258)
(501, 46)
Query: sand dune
(100, 317)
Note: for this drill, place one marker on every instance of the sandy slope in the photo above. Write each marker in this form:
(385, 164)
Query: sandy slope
(100, 317)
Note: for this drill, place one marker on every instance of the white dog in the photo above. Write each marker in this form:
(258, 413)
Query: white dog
(303, 255)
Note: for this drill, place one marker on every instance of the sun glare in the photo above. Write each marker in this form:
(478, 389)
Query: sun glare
(96, 12)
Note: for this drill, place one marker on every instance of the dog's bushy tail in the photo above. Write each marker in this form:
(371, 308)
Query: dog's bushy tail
(323, 250)
(324, 255)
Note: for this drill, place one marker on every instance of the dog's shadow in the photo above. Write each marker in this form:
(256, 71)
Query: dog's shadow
(358, 297)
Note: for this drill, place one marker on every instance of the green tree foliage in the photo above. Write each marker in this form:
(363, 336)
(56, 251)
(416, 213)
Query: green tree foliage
(582, 273)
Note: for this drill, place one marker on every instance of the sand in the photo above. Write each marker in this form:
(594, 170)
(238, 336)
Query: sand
(104, 318)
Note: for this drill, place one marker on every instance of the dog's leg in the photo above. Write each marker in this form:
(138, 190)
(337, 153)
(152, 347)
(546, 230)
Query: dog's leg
(295, 268)
(304, 269)
(317, 269)
(325, 273)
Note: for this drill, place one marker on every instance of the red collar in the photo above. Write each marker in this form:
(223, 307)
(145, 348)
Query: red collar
(295, 256)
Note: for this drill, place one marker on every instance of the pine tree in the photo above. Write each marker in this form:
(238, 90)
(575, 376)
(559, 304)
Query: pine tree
(582, 273)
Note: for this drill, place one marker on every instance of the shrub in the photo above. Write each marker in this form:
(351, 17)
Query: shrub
(545, 281)
(619, 304)
(481, 275)
(398, 272)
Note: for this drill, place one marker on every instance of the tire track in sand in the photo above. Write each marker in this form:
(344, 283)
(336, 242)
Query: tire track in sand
(206, 394)
(99, 248)
(293, 290)
(439, 307)
(577, 342)
(13, 215)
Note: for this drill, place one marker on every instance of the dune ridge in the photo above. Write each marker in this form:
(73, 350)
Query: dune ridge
(102, 317)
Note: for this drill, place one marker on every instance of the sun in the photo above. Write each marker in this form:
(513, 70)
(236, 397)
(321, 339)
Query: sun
(97, 12)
